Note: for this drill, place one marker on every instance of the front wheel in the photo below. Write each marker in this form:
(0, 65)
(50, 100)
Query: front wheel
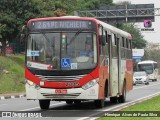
(77, 101)
(122, 98)
(99, 103)
(147, 83)
(44, 104)
(113, 99)
(69, 101)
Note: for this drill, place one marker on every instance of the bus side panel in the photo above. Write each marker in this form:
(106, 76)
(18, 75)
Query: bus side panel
(129, 75)
(102, 79)
(114, 77)
(123, 73)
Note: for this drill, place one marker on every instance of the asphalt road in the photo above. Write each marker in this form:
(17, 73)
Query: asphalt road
(77, 111)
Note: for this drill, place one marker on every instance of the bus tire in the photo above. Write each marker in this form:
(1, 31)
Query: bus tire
(44, 104)
(106, 88)
(122, 98)
(113, 99)
(69, 102)
(77, 101)
(99, 103)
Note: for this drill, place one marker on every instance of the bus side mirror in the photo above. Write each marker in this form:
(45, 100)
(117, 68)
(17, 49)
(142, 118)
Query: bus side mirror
(102, 40)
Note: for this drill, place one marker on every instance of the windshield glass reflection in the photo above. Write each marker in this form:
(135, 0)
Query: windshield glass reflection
(62, 51)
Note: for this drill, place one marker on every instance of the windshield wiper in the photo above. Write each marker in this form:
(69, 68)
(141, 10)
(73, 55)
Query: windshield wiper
(74, 37)
(48, 40)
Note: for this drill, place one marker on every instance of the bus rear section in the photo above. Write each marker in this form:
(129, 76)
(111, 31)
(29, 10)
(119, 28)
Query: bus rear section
(69, 59)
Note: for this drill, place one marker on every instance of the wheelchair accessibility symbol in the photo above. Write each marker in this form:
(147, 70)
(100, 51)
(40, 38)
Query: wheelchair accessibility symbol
(66, 62)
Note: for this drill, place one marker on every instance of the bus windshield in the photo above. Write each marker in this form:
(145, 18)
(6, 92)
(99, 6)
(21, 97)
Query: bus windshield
(62, 50)
(146, 67)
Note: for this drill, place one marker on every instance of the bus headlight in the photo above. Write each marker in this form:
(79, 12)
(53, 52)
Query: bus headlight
(32, 84)
(90, 84)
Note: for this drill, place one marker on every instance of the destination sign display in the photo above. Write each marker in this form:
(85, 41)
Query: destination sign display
(61, 24)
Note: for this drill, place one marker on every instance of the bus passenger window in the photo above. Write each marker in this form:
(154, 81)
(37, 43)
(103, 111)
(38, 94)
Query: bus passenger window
(130, 43)
(123, 42)
(115, 40)
(106, 36)
(127, 45)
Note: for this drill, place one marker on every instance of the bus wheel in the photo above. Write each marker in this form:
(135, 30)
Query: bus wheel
(99, 103)
(113, 99)
(77, 101)
(122, 98)
(44, 104)
(69, 101)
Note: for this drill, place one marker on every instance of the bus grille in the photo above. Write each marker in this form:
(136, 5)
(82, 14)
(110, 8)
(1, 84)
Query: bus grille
(52, 96)
(60, 78)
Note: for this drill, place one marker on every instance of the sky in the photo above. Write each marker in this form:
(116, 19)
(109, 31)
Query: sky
(152, 37)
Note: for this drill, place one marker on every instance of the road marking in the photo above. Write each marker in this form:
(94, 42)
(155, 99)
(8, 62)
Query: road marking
(146, 86)
(39, 107)
(121, 106)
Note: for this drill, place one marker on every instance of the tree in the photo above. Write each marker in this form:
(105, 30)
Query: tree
(138, 40)
(91, 4)
(15, 13)
(152, 52)
(64, 7)
(107, 2)
(123, 3)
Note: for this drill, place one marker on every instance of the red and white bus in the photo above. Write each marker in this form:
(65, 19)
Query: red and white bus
(56, 70)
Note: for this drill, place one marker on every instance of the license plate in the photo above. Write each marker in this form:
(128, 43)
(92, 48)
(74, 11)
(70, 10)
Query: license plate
(139, 81)
(60, 91)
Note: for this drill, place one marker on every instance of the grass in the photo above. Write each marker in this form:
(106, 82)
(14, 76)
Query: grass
(11, 74)
(148, 105)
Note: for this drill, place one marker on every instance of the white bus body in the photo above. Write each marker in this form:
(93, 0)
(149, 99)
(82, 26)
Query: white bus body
(150, 67)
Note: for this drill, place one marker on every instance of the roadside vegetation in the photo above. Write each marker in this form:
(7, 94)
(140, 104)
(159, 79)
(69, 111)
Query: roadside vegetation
(147, 106)
(11, 74)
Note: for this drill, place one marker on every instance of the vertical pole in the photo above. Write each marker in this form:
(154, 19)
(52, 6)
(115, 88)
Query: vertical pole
(126, 14)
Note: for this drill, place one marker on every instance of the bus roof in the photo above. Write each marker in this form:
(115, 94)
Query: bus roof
(105, 25)
(147, 62)
(115, 30)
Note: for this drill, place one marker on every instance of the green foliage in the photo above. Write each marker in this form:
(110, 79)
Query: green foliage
(11, 74)
(138, 40)
(65, 7)
(91, 4)
(152, 53)
(15, 13)
(123, 3)
(107, 2)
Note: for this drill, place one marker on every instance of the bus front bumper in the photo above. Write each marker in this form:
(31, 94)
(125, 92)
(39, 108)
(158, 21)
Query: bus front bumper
(33, 93)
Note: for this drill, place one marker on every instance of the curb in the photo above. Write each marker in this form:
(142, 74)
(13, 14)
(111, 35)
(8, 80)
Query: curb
(12, 96)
